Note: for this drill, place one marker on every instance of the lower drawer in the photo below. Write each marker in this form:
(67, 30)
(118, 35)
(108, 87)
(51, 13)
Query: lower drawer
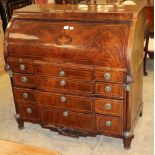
(68, 119)
(108, 124)
(28, 113)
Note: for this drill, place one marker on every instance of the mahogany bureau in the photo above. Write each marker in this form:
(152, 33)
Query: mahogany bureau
(77, 69)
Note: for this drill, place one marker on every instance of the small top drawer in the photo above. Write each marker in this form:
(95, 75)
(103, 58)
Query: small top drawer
(109, 76)
(69, 71)
(22, 67)
(109, 90)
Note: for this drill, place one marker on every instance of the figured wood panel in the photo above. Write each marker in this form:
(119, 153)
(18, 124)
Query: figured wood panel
(53, 84)
(73, 120)
(115, 109)
(85, 42)
(61, 101)
(115, 128)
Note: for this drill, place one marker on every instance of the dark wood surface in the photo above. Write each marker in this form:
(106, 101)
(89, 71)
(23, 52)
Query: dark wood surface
(83, 80)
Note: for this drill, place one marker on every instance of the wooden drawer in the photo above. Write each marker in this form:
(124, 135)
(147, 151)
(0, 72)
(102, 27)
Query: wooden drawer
(109, 76)
(21, 67)
(53, 100)
(24, 95)
(109, 90)
(108, 124)
(61, 84)
(64, 71)
(68, 119)
(109, 107)
(24, 80)
(28, 113)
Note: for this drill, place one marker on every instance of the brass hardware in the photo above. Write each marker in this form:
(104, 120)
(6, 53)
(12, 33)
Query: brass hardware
(108, 89)
(65, 113)
(62, 83)
(22, 67)
(20, 5)
(108, 106)
(7, 67)
(24, 79)
(62, 73)
(25, 95)
(108, 123)
(107, 76)
(29, 110)
(63, 99)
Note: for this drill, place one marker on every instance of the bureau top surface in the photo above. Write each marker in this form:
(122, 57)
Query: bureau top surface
(115, 11)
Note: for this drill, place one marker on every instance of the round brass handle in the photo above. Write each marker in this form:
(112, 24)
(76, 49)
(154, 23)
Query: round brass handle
(108, 89)
(24, 79)
(108, 123)
(108, 106)
(29, 110)
(62, 73)
(62, 83)
(25, 95)
(107, 76)
(22, 67)
(65, 113)
(63, 99)
(20, 5)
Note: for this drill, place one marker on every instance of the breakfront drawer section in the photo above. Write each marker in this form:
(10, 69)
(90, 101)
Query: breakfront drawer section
(109, 90)
(68, 119)
(28, 112)
(24, 95)
(108, 124)
(24, 80)
(64, 71)
(61, 84)
(109, 107)
(21, 67)
(61, 101)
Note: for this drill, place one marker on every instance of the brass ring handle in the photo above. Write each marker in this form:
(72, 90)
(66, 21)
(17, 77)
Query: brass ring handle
(62, 83)
(65, 113)
(108, 106)
(108, 123)
(62, 73)
(22, 67)
(29, 110)
(108, 89)
(25, 95)
(107, 76)
(24, 79)
(63, 99)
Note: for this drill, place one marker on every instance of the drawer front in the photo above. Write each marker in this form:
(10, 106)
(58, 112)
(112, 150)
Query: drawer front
(28, 113)
(21, 67)
(109, 90)
(24, 95)
(109, 76)
(57, 84)
(24, 80)
(64, 71)
(109, 124)
(53, 100)
(107, 106)
(68, 119)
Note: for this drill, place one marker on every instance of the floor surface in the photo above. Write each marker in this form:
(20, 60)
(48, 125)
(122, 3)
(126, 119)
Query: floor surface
(33, 134)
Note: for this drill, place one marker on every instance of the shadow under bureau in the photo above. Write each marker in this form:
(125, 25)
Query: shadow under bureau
(77, 69)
